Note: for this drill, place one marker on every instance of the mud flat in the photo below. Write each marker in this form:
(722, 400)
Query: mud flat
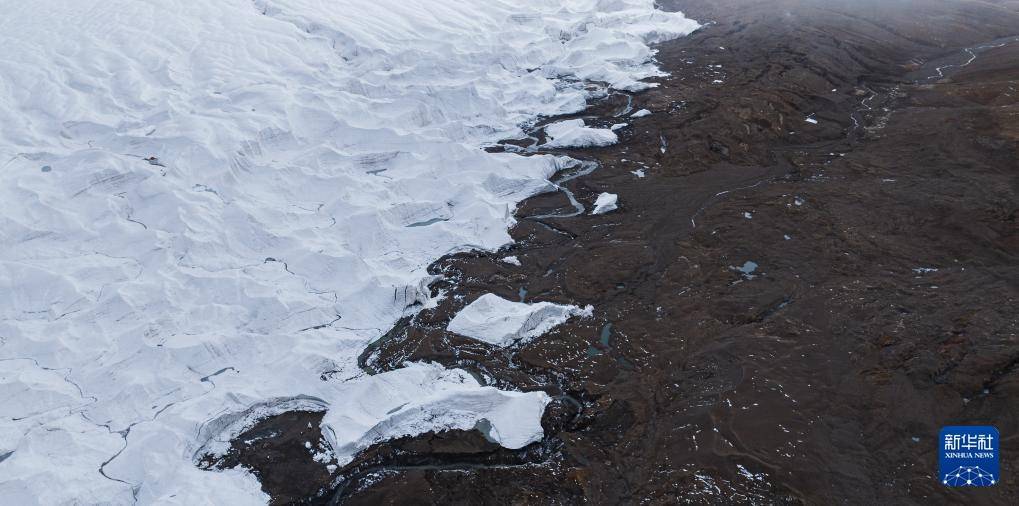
(814, 265)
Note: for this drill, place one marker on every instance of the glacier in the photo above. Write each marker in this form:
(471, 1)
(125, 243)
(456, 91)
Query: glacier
(210, 206)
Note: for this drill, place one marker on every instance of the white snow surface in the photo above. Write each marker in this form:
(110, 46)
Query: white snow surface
(641, 113)
(209, 205)
(501, 322)
(573, 134)
(606, 202)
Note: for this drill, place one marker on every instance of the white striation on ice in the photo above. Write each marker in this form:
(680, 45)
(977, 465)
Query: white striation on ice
(210, 205)
(606, 202)
(497, 321)
(573, 134)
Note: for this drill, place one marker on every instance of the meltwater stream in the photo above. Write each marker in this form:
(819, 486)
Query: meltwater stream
(971, 54)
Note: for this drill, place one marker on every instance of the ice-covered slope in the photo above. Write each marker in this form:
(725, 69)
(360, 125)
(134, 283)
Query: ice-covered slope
(208, 206)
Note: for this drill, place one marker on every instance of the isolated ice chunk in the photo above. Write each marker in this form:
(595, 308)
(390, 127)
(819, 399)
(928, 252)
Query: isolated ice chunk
(604, 203)
(573, 134)
(497, 321)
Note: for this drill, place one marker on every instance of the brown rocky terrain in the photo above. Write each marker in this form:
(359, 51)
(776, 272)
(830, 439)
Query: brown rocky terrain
(786, 311)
